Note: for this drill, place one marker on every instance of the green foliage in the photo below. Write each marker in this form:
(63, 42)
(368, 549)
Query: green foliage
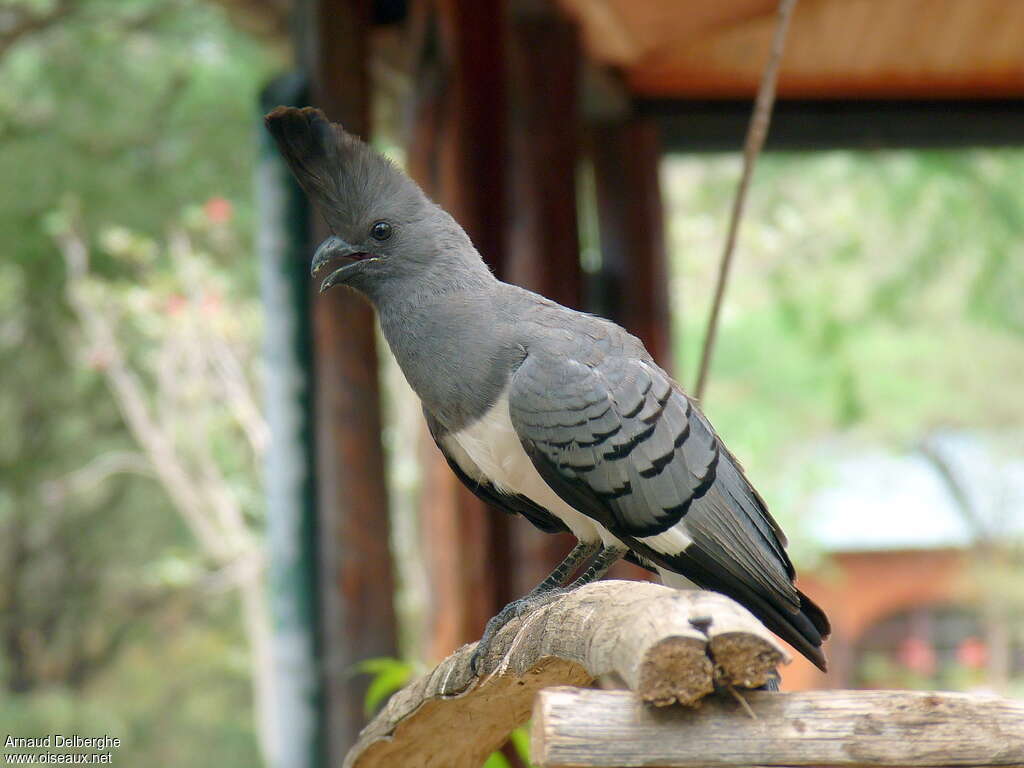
(387, 676)
(873, 294)
(520, 740)
(497, 760)
(140, 110)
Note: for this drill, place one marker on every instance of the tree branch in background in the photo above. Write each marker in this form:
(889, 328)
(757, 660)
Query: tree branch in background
(155, 405)
(971, 516)
(222, 360)
(756, 134)
(95, 473)
(131, 400)
(19, 22)
(993, 562)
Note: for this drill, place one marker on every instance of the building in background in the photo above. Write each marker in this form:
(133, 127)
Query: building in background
(921, 576)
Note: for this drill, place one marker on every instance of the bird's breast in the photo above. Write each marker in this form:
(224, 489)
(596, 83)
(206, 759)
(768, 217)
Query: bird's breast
(494, 452)
(494, 446)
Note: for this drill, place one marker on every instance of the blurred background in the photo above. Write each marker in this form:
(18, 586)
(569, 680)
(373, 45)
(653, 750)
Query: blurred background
(224, 535)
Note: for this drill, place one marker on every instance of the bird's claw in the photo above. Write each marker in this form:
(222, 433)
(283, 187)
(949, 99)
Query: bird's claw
(513, 610)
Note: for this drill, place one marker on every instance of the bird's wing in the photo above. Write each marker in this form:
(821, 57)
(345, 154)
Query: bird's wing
(618, 440)
(472, 477)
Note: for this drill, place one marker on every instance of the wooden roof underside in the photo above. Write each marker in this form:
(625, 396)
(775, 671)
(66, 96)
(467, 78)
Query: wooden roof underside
(837, 49)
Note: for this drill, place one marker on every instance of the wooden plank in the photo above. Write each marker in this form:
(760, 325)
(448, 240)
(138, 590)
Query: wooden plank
(695, 84)
(836, 49)
(666, 644)
(575, 728)
(356, 579)
(719, 125)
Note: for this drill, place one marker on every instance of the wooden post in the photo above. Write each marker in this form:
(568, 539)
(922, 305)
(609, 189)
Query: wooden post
(634, 272)
(544, 64)
(458, 155)
(356, 580)
(544, 253)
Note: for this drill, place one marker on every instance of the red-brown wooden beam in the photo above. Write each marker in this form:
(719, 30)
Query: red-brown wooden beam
(544, 252)
(356, 581)
(458, 155)
(544, 76)
(634, 271)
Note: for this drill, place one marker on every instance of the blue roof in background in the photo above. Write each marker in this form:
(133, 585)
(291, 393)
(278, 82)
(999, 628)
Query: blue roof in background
(882, 501)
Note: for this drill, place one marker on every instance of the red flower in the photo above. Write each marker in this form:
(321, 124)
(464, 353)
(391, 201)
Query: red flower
(916, 654)
(176, 304)
(972, 653)
(98, 359)
(212, 303)
(218, 210)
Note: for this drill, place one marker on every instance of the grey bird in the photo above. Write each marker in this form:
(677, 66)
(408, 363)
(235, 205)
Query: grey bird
(541, 410)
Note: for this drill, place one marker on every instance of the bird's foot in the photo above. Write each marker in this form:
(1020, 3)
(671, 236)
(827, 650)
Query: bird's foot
(513, 610)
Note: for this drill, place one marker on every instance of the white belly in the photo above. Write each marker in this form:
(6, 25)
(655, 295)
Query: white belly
(493, 446)
(490, 450)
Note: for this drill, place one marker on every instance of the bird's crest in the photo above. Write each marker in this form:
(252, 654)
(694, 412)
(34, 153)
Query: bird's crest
(336, 169)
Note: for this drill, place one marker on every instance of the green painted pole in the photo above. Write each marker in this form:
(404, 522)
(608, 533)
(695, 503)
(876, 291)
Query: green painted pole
(282, 245)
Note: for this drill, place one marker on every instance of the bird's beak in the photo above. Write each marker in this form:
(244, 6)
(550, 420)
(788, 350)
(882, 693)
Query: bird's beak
(332, 250)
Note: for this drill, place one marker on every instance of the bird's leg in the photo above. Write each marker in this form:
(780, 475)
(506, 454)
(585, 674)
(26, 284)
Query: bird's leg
(560, 575)
(552, 586)
(599, 566)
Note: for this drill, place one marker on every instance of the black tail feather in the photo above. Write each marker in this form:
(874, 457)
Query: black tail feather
(805, 629)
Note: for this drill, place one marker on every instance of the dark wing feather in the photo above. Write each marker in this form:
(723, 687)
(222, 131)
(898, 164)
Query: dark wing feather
(618, 437)
(617, 440)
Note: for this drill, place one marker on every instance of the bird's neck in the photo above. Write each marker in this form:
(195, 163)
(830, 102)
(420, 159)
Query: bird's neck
(453, 348)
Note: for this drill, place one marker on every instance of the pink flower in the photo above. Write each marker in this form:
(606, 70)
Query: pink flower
(176, 304)
(218, 210)
(972, 653)
(212, 302)
(98, 359)
(916, 654)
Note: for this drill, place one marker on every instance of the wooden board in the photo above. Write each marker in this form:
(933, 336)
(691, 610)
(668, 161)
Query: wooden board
(574, 728)
(836, 48)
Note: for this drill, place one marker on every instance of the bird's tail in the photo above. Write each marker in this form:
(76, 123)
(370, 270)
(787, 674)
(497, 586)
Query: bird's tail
(805, 629)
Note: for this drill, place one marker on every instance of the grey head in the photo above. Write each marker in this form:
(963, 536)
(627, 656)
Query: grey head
(389, 242)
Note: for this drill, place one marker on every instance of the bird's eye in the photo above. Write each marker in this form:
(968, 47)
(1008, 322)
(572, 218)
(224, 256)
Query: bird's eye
(381, 230)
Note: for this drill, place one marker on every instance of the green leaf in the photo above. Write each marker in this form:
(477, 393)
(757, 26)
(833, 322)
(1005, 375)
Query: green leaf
(388, 676)
(497, 760)
(520, 739)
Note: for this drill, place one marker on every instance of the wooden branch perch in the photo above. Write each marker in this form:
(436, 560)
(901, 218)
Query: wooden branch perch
(573, 728)
(666, 645)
